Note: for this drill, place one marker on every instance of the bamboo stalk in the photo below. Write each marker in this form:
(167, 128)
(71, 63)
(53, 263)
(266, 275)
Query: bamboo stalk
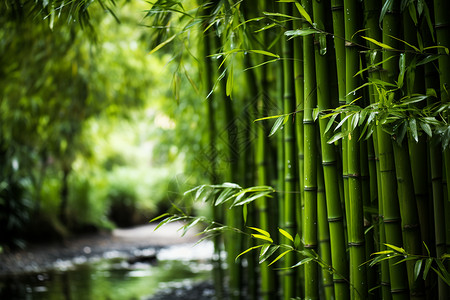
(290, 161)
(310, 163)
(392, 219)
(354, 204)
(329, 165)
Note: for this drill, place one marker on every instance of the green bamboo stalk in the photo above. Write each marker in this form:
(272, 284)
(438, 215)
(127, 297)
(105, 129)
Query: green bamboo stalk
(299, 95)
(372, 11)
(290, 156)
(267, 220)
(323, 236)
(337, 7)
(355, 217)
(329, 164)
(310, 163)
(392, 219)
(408, 211)
(443, 39)
(209, 73)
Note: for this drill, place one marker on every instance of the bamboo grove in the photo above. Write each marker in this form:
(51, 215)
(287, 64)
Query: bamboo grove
(328, 123)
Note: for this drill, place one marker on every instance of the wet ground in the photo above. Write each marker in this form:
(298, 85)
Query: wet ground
(134, 253)
(128, 242)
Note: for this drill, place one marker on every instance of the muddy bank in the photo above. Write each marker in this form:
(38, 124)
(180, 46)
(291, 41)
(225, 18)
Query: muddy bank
(141, 242)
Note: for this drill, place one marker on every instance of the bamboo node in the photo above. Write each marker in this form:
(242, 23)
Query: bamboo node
(355, 175)
(356, 244)
(399, 291)
(335, 219)
(310, 246)
(395, 220)
(410, 226)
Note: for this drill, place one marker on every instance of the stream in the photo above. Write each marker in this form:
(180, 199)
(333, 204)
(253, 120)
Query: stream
(146, 273)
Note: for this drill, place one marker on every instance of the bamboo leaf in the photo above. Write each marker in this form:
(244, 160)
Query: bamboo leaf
(262, 237)
(428, 59)
(384, 9)
(297, 240)
(303, 261)
(278, 123)
(280, 256)
(267, 53)
(159, 217)
(262, 231)
(378, 43)
(330, 122)
(268, 118)
(190, 225)
(303, 12)
(445, 275)
(413, 129)
(224, 196)
(315, 113)
(442, 276)
(252, 198)
(428, 262)
(162, 44)
(244, 213)
(286, 234)
(404, 42)
(342, 121)
(301, 32)
(417, 268)
(336, 137)
(230, 83)
(268, 253)
(248, 250)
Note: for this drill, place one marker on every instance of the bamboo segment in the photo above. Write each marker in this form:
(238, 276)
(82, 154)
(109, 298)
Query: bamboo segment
(323, 236)
(290, 165)
(329, 163)
(441, 8)
(354, 204)
(392, 220)
(310, 164)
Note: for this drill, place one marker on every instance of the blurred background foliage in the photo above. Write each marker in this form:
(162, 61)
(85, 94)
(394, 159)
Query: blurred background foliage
(92, 134)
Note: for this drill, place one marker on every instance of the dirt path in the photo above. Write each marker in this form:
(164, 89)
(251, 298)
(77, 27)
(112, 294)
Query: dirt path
(123, 241)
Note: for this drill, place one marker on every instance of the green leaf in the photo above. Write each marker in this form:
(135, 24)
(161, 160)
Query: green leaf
(248, 250)
(262, 231)
(303, 12)
(301, 32)
(159, 217)
(278, 123)
(262, 237)
(267, 53)
(268, 252)
(286, 234)
(404, 42)
(303, 261)
(427, 267)
(244, 213)
(428, 59)
(386, 6)
(230, 82)
(417, 268)
(426, 128)
(330, 122)
(162, 44)
(378, 43)
(413, 129)
(336, 137)
(297, 240)
(280, 256)
(316, 113)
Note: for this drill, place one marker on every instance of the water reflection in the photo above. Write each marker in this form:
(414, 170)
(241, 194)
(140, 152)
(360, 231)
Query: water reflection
(114, 277)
